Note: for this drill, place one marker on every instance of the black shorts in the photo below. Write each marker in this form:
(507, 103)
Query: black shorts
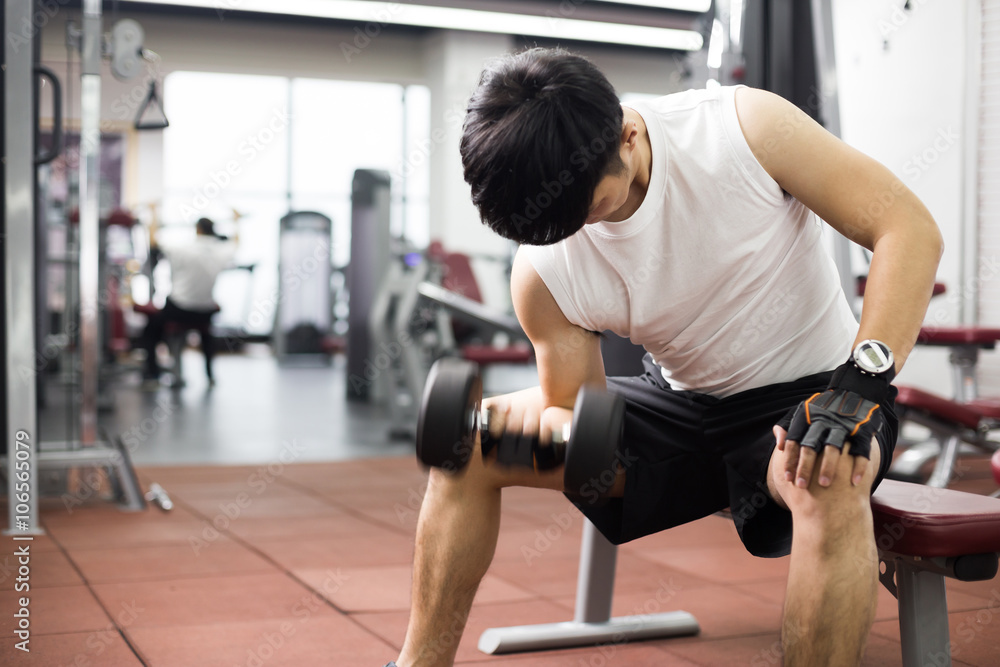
(688, 455)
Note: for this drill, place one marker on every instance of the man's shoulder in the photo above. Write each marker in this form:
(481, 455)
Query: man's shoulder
(685, 100)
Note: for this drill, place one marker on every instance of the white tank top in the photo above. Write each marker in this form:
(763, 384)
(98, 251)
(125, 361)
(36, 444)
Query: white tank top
(719, 274)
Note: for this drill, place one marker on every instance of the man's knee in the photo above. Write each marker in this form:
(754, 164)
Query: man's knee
(842, 500)
(470, 479)
(836, 519)
(836, 508)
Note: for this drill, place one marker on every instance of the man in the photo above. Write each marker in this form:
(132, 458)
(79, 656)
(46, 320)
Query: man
(194, 268)
(687, 224)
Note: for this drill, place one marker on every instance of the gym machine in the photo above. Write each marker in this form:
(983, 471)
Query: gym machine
(399, 314)
(405, 339)
(410, 324)
(26, 457)
(370, 243)
(303, 320)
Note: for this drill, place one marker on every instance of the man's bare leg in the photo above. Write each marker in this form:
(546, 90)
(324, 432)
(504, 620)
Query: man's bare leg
(456, 539)
(833, 574)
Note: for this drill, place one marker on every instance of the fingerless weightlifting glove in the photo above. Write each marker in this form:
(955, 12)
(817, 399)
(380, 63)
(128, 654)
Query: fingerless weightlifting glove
(849, 411)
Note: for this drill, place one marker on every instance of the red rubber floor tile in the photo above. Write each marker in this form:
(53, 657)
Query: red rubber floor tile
(146, 528)
(367, 549)
(388, 588)
(209, 600)
(254, 529)
(47, 568)
(246, 505)
(221, 557)
(52, 611)
(730, 565)
(104, 648)
(300, 640)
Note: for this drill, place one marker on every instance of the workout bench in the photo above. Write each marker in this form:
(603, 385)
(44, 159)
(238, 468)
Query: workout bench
(951, 424)
(964, 418)
(923, 534)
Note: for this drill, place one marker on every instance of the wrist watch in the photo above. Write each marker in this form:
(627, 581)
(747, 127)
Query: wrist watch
(873, 357)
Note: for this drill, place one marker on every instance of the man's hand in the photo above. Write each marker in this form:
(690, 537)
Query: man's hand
(828, 419)
(524, 412)
(849, 411)
(802, 460)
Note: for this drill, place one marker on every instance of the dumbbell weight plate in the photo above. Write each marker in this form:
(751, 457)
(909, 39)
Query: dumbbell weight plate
(449, 414)
(595, 434)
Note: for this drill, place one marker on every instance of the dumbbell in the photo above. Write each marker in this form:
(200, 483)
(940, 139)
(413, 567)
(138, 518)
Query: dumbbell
(451, 415)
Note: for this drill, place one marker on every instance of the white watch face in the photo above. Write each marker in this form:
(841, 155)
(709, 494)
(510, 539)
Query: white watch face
(873, 356)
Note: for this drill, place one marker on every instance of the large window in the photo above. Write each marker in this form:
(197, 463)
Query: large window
(244, 150)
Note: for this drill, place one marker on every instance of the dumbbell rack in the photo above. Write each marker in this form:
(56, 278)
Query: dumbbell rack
(592, 621)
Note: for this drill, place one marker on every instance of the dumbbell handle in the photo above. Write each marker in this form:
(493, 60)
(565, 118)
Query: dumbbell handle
(543, 458)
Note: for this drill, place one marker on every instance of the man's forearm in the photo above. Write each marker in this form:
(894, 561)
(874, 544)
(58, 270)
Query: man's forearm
(900, 284)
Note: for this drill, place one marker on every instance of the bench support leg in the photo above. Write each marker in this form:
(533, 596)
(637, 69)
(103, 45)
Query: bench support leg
(945, 465)
(592, 622)
(923, 616)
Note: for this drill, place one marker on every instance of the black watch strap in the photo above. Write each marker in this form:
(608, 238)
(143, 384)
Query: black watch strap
(875, 388)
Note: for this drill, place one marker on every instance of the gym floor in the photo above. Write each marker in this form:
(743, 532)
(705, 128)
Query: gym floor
(292, 536)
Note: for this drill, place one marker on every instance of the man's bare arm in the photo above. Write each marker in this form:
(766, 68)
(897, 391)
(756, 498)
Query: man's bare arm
(568, 356)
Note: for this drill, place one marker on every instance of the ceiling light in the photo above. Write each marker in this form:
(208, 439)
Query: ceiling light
(715, 45)
(464, 19)
(736, 22)
(679, 5)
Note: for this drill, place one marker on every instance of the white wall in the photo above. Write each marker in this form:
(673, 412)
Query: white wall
(901, 78)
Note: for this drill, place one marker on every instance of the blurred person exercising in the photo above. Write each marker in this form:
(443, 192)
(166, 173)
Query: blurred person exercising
(690, 223)
(194, 268)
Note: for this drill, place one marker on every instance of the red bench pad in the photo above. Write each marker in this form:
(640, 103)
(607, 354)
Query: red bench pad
(938, 406)
(917, 520)
(996, 466)
(985, 336)
(987, 407)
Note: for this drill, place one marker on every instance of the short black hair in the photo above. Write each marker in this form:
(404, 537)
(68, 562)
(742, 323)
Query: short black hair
(542, 129)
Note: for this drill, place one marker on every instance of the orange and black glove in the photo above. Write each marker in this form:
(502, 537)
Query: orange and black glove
(849, 411)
